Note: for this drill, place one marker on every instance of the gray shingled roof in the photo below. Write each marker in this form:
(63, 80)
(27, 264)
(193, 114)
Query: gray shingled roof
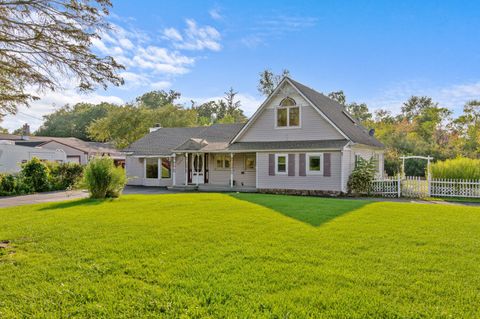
(337, 114)
(218, 136)
(287, 145)
(164, 140)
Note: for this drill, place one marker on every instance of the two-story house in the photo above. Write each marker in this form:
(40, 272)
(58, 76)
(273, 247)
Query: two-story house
(298, 141)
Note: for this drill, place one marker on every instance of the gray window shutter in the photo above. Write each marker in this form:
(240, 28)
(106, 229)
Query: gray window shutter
(291, 164)
(271, 164)
(327, 159)
(302, 171)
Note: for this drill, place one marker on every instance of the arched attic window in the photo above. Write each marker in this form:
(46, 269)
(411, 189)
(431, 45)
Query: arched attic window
(288, 113)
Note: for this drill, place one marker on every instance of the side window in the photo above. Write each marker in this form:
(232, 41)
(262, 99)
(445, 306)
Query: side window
(358, 158)
(315, 163)
(151, 168)
(166, 168)
(281, 164)
(222, 161)
(250, 162)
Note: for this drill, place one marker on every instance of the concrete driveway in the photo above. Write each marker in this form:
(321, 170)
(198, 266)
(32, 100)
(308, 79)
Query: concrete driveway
(42, 198)
(69, 195)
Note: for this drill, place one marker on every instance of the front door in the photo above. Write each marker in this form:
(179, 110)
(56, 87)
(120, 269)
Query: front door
(197, 168)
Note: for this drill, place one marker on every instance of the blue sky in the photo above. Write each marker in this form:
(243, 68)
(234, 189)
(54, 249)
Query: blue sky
(378, 52)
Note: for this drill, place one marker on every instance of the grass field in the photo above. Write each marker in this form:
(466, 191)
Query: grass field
(240, 255)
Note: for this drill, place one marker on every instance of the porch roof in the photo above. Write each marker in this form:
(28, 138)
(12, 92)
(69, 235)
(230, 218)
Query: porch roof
(288, 145)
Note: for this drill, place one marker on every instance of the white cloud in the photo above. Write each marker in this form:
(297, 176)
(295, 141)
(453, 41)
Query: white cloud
(275, 26)
(215, 14)
(160, 85)
(49, 103)
(452, 96)
(195, 38)
(149, 64)
(172, 34)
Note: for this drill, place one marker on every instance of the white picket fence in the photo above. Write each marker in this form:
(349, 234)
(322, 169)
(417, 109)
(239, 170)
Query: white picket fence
(417, 187)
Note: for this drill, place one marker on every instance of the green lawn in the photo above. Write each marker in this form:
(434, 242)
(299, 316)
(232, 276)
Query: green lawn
(241, 255)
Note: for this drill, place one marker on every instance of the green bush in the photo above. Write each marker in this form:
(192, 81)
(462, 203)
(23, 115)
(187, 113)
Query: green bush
(36, 175)
(11, 184)
(458, 168)
(8, 184)
(103, 179)
(361, 177)
(65, 175)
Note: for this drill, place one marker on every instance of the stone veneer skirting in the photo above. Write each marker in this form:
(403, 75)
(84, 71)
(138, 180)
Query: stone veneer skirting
(303, 192)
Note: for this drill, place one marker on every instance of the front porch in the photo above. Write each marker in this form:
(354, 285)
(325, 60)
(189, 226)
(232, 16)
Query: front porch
(219, 171)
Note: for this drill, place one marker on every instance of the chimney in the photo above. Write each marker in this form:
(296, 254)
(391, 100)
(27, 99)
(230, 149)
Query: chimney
(156, 127)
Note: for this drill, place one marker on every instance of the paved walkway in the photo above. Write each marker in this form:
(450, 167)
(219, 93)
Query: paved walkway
(41, 198)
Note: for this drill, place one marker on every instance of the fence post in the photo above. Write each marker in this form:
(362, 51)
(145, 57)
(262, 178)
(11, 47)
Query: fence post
(429, 185)
(399, 187)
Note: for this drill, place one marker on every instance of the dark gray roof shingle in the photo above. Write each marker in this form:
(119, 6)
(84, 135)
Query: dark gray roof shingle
(336, 113)
(288, 145)
(164, 140)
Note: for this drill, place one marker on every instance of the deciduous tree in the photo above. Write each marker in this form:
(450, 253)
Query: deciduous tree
(44, 42)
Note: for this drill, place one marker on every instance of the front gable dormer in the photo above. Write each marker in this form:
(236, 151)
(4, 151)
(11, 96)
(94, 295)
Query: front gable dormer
(287, 116)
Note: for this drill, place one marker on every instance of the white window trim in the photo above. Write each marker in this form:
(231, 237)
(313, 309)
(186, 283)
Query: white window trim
(307, 164)
(159, 168)
(276, 164)
(159, 162)
(223, 168)
(288, 117)
(253, 155)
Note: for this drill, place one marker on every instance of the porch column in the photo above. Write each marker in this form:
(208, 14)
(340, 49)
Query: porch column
(231, 170)
(186, 169)
(174, 169)
(194, 168)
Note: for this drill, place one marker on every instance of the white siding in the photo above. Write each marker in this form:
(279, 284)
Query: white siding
(135, 170)
(309, 182)
(71, 152)
(241, 176)
(11, 156)
(313, 125)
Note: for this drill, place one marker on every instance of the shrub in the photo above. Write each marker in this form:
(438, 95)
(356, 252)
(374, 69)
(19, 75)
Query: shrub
(65, 175)
(361, 177)
(35, 174)
(14, 185)
(458, 168)
(103, 179)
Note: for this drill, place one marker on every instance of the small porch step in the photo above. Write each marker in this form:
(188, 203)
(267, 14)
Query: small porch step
(221, 188)
(183, 188)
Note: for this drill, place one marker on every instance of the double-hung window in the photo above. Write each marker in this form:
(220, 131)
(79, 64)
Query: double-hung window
(222, 161)
(281, 164)
(288, 113)
(250, 160)
(315, 163)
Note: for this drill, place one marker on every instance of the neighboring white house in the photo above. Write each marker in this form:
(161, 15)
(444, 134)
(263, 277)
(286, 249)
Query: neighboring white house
(298, 141)
(77, 150)
(13, 156)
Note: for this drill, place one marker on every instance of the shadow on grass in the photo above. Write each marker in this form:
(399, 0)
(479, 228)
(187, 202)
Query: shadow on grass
(311, 210)
(75, 203)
